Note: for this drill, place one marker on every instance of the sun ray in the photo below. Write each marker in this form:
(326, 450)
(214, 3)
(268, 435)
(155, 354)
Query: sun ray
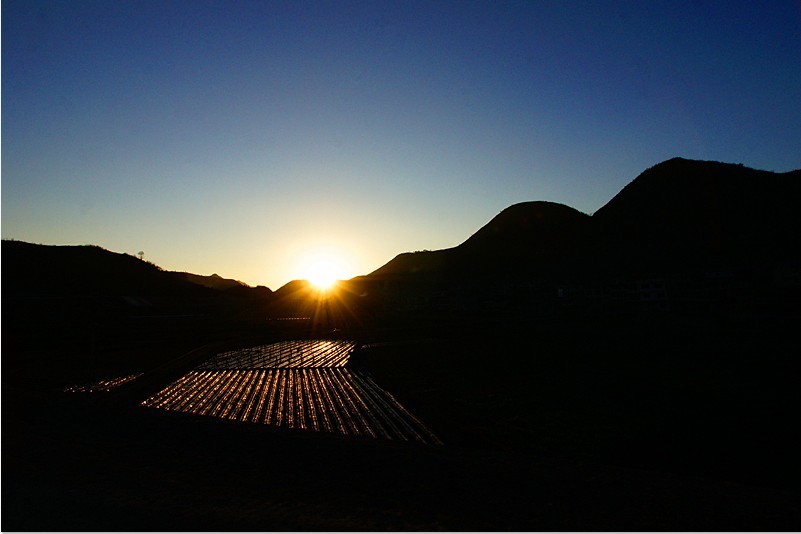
(323, 267)
(323, 274)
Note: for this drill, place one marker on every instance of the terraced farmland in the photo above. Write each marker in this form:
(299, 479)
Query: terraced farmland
(295, 384)
(285, 354)
(102, 385)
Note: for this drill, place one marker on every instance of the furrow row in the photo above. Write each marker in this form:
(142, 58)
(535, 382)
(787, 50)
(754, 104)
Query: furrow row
(284, 354)
(329, 399)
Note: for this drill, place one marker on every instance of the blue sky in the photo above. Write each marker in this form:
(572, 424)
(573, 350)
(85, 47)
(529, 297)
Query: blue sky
(244, 137)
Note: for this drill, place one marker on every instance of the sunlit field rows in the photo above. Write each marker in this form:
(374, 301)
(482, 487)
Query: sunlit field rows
(102, 385)
(325, 399)
(285, 354)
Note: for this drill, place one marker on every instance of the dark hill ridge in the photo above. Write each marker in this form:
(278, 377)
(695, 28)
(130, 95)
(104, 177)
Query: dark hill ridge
(71, 303)
(214, 281)
(537, 224)
(424, 261)
(676, 214)
(525, 237)
(684, 211)
(86, 271)
(92, 271)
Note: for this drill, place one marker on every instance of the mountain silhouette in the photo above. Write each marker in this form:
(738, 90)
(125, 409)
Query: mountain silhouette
(76, 301)
(214, 281)
(89, 270)
(530, 237)
(683, 213)
(678, 214)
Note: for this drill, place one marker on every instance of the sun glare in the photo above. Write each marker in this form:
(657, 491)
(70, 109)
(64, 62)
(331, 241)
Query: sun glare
(322, 274)
(323, 268)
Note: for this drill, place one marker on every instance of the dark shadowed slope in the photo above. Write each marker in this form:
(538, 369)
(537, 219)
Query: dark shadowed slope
(524, 238)
(691, 213)
(78, 312)
(90, 270)
(424, 261)
(214, 281)
(530, 237)
(44, 282)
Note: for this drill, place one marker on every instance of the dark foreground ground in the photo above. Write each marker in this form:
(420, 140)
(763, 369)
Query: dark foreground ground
(632, 426)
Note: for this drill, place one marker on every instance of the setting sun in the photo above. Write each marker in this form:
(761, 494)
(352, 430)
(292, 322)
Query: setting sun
(323, 267)
(323, 274)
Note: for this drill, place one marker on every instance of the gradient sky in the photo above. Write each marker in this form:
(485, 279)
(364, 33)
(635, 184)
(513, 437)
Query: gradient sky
(239, 138)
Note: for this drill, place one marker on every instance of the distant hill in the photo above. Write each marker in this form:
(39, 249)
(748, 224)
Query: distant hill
(524, 238)
(676, 214)
(91, 271)
(85, 270)
(214, 281)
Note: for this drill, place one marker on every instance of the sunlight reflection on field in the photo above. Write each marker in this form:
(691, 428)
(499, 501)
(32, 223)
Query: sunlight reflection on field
(293, 384)
(102, 385)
